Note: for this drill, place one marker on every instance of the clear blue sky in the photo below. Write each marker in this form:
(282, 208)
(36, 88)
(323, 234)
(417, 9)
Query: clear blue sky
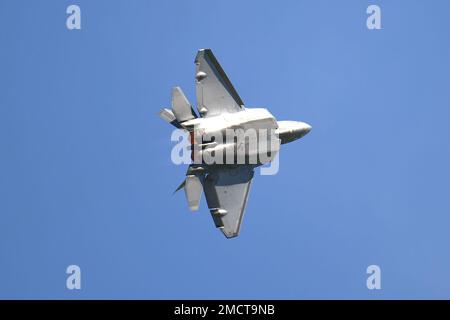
(86, 176)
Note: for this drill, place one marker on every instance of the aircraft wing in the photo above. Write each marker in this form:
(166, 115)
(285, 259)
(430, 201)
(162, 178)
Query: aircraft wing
(215, 93)
(226, 191)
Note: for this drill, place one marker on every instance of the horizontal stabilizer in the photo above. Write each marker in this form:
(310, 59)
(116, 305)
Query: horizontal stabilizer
(193, 189)
(168, 116)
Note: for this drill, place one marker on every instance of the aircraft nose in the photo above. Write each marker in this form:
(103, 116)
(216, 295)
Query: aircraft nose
(303, 128)
(292, 130)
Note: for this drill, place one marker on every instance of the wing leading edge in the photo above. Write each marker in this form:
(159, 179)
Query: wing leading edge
(215, 92)
(226, 192)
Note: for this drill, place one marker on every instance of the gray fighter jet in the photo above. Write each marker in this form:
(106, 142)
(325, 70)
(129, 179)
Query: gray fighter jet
(228, 141)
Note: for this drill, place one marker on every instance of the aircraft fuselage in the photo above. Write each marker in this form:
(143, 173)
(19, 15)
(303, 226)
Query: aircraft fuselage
(251, 136)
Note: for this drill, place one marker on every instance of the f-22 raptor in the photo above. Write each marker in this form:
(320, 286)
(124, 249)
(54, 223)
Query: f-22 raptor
(220, 111)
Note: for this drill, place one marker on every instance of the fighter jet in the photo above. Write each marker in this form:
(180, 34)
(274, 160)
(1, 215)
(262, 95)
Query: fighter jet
(223, 167)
